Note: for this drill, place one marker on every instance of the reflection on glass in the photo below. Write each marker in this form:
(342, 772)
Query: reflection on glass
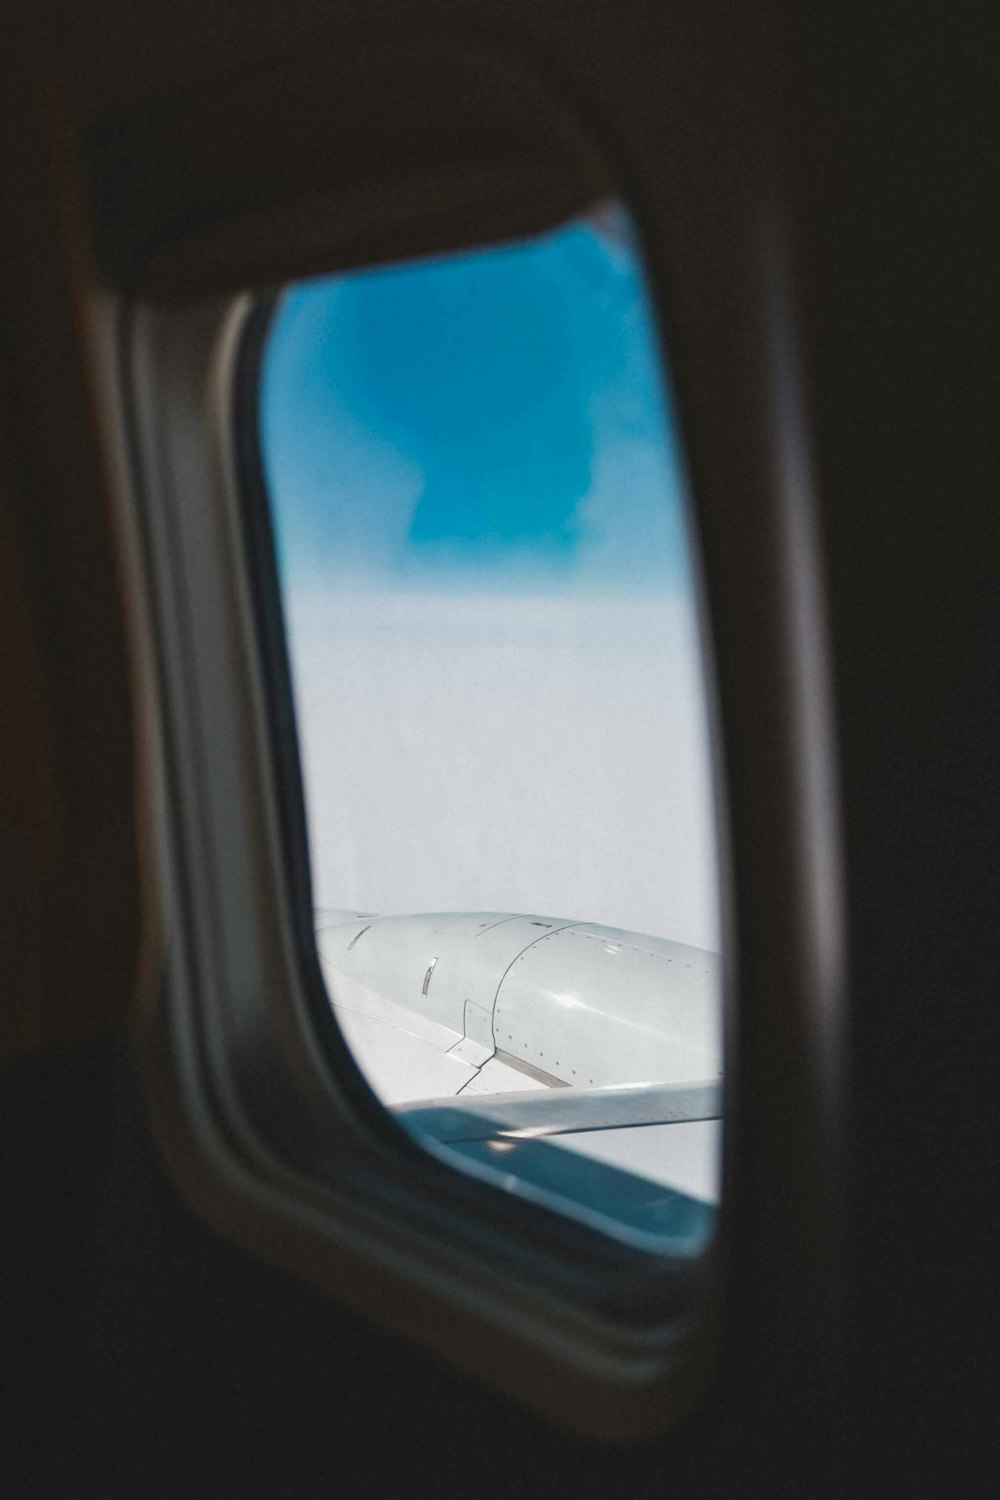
(479, 513)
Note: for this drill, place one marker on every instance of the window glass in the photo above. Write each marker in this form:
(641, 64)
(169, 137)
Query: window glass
(478, 503)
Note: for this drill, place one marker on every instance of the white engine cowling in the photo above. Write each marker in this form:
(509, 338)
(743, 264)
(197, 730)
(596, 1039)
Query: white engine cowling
(436, 1005)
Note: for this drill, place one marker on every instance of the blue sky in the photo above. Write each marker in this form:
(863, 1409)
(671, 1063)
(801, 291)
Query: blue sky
(493, 420)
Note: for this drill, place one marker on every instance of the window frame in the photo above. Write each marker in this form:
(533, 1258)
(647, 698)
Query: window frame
(325, 1143)
(222, 1017)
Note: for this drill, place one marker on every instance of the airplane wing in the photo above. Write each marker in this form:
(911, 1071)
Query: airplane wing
(581, 1062)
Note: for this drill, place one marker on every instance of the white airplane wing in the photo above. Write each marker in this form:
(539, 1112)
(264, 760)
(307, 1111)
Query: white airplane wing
(581, 1062)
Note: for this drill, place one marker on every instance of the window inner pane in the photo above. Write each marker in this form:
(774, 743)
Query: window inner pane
(478, 502)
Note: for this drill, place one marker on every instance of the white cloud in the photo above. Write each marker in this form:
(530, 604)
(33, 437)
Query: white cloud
(497, 753)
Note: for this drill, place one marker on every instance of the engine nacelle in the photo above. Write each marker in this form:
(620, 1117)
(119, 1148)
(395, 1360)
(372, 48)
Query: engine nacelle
(515, 1002)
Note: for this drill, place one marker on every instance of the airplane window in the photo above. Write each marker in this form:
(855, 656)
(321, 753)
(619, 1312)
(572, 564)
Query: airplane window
(478, 503)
